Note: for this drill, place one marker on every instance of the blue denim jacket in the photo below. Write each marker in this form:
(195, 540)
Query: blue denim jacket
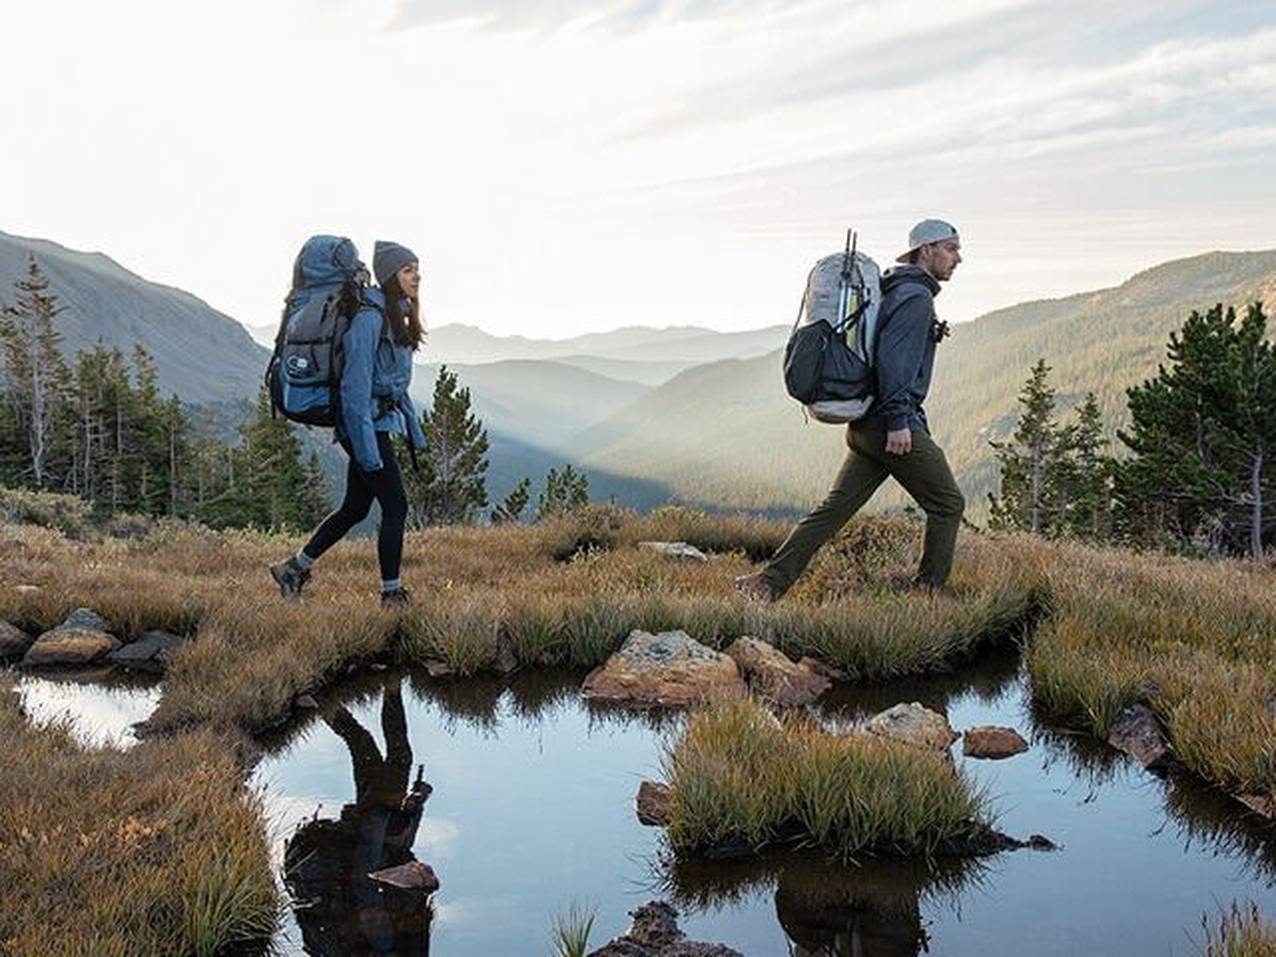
(374, 385)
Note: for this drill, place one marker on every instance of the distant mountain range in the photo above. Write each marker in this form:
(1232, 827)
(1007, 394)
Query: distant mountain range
(200, 353)
(682, 412)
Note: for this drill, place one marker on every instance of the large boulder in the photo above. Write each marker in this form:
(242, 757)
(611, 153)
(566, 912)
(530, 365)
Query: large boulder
(1137, 732)
(150, 652)
(670, 668)
(654, 933)
(679, 550)
(14, 642)
(771, 675)
(991, 741)
(81, 639)
(913, 724)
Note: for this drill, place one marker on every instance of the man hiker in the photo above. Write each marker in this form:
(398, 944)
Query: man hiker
(893, 438)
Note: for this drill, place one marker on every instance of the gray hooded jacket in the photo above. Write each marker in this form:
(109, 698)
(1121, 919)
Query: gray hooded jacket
(905, 349)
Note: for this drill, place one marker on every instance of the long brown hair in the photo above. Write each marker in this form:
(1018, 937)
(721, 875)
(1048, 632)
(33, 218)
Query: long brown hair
(406, 326)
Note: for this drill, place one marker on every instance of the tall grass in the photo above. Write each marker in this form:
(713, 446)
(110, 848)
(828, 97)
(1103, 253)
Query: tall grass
(1239, 932)
(741, 776)
(569, 935)
(157, 850)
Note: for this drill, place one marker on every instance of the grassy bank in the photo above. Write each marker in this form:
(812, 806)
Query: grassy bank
(739, 776)
(1240, 931)
(157, 850)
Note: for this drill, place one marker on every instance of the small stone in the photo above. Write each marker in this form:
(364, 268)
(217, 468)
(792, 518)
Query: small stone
(150, 652)
(913, 724)
(1137, 732)
(990, 741)
(412, 876)
(678, 550)
(771, 675)
(1039, 842)
(14, 642)
(80, 639)
(654, 932)
(307, 702)
(378, 666)
(436, 668)
(26, 589)
(669, 668)
(506, 661)
(1260, 804)
(652, 803)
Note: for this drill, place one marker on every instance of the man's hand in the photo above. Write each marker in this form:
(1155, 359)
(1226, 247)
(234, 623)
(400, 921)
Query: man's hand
(899, 442)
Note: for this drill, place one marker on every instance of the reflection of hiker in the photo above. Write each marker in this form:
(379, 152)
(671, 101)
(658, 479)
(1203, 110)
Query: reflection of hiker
(339, 909)
(374, 404)
(893, 439)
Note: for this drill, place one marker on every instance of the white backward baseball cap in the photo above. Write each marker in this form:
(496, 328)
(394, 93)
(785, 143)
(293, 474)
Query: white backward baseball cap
(926, 232)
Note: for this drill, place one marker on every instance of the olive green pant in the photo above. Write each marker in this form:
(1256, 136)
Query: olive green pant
(925, 475)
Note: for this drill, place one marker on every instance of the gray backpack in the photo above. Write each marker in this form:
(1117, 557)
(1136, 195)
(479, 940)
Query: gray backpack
(828, 362)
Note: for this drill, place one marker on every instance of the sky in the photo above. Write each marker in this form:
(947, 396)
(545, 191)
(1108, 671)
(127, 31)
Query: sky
(567, 167)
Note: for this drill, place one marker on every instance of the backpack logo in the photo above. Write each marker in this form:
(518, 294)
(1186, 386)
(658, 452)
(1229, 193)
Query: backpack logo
(304, 374)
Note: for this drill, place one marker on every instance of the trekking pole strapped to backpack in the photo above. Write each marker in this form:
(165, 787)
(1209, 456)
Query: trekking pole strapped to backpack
(828, 362)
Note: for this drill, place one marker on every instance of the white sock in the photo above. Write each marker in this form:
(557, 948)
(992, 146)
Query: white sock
(394, 584)
(303, 560)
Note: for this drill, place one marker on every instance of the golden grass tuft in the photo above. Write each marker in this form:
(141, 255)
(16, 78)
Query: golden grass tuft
(157, 850)
(738, 774)
(1241, 931)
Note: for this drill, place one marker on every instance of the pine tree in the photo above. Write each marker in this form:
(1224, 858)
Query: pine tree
(1089, 475)
(273, 491)
(36, 377)
(1202, 437)
(564, 492)
(1026, 463)
(511, 510)
(449, 488)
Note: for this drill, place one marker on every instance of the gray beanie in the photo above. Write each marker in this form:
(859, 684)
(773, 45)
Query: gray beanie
(388, 258)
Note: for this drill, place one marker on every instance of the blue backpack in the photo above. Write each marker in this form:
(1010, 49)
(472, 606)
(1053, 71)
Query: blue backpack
(304, 374)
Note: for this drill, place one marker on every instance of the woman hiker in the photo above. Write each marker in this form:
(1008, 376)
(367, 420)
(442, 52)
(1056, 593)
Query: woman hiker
(374, 406)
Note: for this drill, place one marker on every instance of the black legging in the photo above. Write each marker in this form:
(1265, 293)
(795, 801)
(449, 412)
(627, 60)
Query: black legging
(386, 486)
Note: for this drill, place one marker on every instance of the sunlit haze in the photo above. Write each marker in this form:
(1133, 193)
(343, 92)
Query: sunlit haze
(569, 167)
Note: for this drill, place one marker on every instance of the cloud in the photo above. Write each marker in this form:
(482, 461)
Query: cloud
(540, 15)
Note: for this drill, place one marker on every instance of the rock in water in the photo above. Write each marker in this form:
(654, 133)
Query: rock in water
(652, 803)
(913, 724)
(412, 876)
(1137, 732)
(665, 669)
(771, 675)
(990, 741)
(654, 933)
(14, 642)
(82, 638)
(679, 550)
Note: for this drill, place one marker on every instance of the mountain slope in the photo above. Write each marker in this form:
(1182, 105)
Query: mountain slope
(726, 435)
(540, 402)
(201, 354)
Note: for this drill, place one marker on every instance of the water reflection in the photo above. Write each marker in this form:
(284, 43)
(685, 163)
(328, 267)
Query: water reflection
(870, 909)
(339, 910)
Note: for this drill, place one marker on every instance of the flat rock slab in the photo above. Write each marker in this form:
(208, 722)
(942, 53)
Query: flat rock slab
(670, 668)
(412, 876)
(913, 724)
(679, 550)
(652, 803)
(654, 933)
(1260, 804)
(14, 642)
(150, 652)
(81, 639)
(771, 675)
(1137, 732)
(991, 741)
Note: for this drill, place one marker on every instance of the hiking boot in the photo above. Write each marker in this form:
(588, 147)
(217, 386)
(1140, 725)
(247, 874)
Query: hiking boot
(398, 598)
(755, 588)
(290, 577)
